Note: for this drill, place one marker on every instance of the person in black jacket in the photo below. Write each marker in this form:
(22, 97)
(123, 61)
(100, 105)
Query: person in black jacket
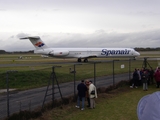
(135, 79)
(81, 94)
(145, 80)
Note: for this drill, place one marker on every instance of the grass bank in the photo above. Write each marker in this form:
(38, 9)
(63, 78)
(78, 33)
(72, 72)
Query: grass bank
(119, 104)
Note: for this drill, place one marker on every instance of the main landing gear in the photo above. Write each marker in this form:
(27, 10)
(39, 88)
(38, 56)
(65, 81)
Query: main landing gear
(85, 60)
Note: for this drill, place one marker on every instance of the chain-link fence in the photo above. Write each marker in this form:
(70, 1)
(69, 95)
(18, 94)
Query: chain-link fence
(34, 87)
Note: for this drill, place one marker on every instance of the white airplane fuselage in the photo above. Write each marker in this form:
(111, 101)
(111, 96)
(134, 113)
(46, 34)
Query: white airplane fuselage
(81, 53)
(88, 52)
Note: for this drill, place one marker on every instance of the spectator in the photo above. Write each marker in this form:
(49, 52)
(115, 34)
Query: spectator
(135, 79)
(139, 79)
(151, 75)
(157, 77)
(92, 94)
(148, 107)
(144, 80)
(81, 94)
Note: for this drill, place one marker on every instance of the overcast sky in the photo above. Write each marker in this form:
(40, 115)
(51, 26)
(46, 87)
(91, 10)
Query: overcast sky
(80, 23)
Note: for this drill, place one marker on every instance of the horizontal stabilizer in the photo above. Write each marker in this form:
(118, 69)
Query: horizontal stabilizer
(34, 37)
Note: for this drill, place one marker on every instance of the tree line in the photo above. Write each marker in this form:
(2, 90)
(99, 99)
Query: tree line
(17, 52)
(147, 49)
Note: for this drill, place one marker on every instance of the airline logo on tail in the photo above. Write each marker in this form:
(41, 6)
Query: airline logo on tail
(39, 44)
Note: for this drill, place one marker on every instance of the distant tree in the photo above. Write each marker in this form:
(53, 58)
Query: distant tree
(2, 51)
(147, 49)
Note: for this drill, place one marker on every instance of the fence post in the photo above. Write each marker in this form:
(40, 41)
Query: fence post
(113, 72)
(129, 69)
(7, 82)
(7, 93)
(94, 73)
(74, 81)
(53, 85)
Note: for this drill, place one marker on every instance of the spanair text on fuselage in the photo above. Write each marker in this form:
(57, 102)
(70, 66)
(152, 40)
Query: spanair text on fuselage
(117, 52)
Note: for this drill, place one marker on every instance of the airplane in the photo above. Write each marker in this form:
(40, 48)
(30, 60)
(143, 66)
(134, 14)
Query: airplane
(80, 53)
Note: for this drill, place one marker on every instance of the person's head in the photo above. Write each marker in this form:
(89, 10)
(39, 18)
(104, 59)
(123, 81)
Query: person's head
(157, 69)
(82, 81)
(144, 71)
(90, 82)
(87, 82)
(148, 107)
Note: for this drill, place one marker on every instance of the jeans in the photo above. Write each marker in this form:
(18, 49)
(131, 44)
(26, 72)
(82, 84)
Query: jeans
(145, 86)
(80, 99)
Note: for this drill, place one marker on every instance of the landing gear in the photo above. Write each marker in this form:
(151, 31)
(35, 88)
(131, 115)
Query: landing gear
(85, 60)
(79, 60)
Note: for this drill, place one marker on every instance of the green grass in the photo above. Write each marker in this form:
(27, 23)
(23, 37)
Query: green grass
(119, 104)
(38, 75)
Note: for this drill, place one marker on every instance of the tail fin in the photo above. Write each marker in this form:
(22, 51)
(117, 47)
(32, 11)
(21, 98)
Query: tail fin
(37, 42)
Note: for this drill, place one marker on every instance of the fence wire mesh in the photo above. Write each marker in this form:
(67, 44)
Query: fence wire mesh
(31, 85)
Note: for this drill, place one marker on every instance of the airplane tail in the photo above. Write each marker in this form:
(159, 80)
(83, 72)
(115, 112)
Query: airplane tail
(37, 42)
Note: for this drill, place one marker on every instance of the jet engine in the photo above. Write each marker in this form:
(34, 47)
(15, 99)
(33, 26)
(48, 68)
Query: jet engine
(59, 53)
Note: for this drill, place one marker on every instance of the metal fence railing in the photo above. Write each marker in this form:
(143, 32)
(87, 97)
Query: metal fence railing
(35, 82)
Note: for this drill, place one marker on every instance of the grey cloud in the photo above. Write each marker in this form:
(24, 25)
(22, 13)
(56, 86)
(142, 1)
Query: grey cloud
(97, 39)
(103, 39)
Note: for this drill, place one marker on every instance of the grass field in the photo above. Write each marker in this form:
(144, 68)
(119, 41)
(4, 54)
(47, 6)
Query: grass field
(119, 104)
(36, 74)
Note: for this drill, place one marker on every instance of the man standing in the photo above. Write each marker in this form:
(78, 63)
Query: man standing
(81, 94)
(135, 79)
(92, 94)
(144, 80)
(157, 77)
(151, 75)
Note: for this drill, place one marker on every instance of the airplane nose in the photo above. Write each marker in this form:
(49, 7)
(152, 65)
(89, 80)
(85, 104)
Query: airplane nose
(137, 53)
